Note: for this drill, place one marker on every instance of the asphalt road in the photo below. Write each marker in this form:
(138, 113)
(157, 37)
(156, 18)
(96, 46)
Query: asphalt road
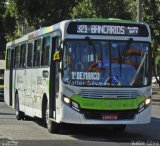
(31, 132)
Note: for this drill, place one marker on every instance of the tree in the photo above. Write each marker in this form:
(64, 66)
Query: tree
(2, 31)
(10, 24)
(101, 9)
(111, 9)
(39, 13)
(84, 9)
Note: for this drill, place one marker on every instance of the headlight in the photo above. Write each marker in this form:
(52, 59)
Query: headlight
(74, 105)
(66, 100)
(144, 104)
(147, 101)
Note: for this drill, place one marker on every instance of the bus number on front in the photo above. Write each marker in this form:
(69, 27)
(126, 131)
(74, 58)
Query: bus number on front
(81, 28)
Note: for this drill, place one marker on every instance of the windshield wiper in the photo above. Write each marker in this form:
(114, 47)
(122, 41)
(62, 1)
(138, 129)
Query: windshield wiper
(139, 71)
(123, 55)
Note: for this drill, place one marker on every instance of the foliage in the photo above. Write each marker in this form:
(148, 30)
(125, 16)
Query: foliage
(2, 31)
(10, 20)
(39, 13)
(84, 9)
(101, 9)
(111, 9)
(131, 7)
(151, 16)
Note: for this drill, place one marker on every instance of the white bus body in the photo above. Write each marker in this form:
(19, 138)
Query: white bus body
(81, 89)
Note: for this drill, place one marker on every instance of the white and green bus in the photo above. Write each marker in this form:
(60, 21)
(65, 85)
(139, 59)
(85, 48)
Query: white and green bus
(84, 71)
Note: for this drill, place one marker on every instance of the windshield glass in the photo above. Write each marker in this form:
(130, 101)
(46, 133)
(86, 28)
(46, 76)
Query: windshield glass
(105, 63)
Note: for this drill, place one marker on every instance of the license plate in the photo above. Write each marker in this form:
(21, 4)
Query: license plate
(109, 117)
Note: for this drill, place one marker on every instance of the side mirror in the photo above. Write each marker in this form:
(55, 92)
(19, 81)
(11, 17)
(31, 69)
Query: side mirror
(57, 56)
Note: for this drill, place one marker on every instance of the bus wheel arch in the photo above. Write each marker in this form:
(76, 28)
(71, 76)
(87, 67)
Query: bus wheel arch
(52, 126)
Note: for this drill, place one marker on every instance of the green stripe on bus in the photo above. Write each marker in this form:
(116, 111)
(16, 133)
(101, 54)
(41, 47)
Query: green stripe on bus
(47, 84)
(108, 104)
(106, 20)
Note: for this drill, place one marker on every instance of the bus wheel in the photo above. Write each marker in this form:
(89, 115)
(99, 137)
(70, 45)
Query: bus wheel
(52, 126)
(19, 114)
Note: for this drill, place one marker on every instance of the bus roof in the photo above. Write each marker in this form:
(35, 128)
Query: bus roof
(107, 20)
(45, 30)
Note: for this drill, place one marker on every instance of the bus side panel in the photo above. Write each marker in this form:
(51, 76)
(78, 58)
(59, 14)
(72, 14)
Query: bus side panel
(42, 88)
(29, 93)
(35, 93)
(20, 87)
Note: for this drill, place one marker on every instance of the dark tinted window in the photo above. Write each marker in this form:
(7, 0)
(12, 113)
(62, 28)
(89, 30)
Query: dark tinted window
(45, 51)
(29, 55)
(8, 58)
(17, 57)
(23, 56)
(37, 50)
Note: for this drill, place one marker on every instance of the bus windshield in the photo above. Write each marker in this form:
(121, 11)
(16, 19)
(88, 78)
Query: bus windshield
(105, 63)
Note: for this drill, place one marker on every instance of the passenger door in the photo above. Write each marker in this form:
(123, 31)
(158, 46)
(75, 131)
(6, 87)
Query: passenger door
(54, 81)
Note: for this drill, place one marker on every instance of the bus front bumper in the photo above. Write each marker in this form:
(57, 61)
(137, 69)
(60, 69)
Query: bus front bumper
(69, 115)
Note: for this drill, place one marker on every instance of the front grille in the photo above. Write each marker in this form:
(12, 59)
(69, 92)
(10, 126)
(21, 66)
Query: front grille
(104, 93)
(121, 115)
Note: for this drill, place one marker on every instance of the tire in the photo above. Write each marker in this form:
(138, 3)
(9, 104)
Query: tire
(19, 114)
(52, 126)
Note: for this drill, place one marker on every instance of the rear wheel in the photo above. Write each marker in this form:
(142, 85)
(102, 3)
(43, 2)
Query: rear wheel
(19, 114)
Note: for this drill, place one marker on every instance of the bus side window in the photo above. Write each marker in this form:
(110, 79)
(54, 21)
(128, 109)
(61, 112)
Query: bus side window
(29, 55)
(37, 50)
(17, 57)
(45, 51)
(23, 56)
(8, 59)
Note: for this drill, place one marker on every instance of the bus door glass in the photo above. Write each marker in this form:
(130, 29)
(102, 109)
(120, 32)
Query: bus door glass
(54, 79)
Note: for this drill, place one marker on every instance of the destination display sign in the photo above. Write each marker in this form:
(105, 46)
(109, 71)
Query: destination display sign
(107, 28)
